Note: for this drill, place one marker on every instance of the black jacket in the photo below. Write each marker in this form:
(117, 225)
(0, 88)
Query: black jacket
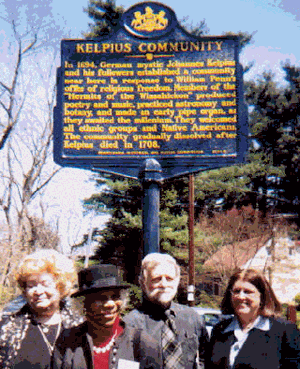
(192, 333)
(278, 347)
(74, 349)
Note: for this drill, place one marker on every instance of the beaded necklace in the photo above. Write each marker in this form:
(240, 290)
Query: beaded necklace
(104, 355)
(107, 347)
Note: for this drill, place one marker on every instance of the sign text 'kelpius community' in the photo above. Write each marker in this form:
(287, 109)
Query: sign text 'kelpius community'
(138, 95)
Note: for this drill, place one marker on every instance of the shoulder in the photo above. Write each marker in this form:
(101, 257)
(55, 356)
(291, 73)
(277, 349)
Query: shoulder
(130, 333)
(72, 336)
(184, 309)
(289, 336)
(220, 328)
(187, 313)
(70, 317)
(188, 319)
(283, 327)
(128, 330)
(133, 313)
(223, 324)
(134, 333)
(5, 319)
(134, 317)
(13, 319)
(138, 338)
(77, 330)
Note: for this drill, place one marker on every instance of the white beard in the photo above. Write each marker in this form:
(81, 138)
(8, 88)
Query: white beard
(162, 296)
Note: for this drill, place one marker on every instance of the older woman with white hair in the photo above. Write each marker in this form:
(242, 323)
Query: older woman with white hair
(27, 337)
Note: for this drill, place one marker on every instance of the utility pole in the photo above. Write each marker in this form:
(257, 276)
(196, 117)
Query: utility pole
(191, 285)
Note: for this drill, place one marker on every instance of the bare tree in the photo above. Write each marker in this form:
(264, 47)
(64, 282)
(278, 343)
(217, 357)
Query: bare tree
(8, 103)
(30, 31)
(27, 96)
(229, 241)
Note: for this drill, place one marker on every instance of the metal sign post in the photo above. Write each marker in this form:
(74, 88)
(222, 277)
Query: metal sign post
(150, 177)
(191, 287)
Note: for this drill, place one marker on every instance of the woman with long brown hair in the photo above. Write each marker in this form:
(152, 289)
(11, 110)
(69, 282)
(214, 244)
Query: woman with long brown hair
(256, 336)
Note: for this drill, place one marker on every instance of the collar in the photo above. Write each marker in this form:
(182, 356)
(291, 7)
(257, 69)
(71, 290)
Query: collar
(157, 310)
(262, 323)
(171, 311)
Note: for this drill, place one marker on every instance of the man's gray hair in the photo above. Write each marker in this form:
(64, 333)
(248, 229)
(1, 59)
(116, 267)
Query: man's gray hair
(154, 259)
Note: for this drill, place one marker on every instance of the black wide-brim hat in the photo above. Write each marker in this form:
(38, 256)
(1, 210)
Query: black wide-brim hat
(97, 278)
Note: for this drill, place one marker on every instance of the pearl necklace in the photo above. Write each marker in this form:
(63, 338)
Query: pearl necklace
(107, 347)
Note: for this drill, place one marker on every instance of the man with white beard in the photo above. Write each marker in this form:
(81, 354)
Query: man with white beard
(179, 331)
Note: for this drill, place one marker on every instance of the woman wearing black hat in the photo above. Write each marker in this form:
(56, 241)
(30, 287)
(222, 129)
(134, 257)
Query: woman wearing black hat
(103, 341)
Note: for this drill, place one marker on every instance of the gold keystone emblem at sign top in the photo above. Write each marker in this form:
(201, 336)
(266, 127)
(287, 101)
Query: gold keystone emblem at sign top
(149, 21)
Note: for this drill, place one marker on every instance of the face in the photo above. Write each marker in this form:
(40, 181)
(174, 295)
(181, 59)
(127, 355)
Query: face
(161, 284)
(103, 308)
(42, 294)
(245, 299)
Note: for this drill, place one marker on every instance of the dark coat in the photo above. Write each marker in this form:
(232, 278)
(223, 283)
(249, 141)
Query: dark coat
(192, 333)
(74, 349)
(21, 343)
(278, 347)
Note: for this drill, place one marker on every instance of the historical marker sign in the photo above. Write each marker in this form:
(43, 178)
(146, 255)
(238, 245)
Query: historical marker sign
(150, 91)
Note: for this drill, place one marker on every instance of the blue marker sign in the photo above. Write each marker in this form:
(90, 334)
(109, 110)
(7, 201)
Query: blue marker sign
(151, 90)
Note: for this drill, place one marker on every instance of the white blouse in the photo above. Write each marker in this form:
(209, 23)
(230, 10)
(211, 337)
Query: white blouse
(260, 322)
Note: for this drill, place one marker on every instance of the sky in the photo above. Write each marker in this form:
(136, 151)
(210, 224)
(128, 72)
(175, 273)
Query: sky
(275, 25)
